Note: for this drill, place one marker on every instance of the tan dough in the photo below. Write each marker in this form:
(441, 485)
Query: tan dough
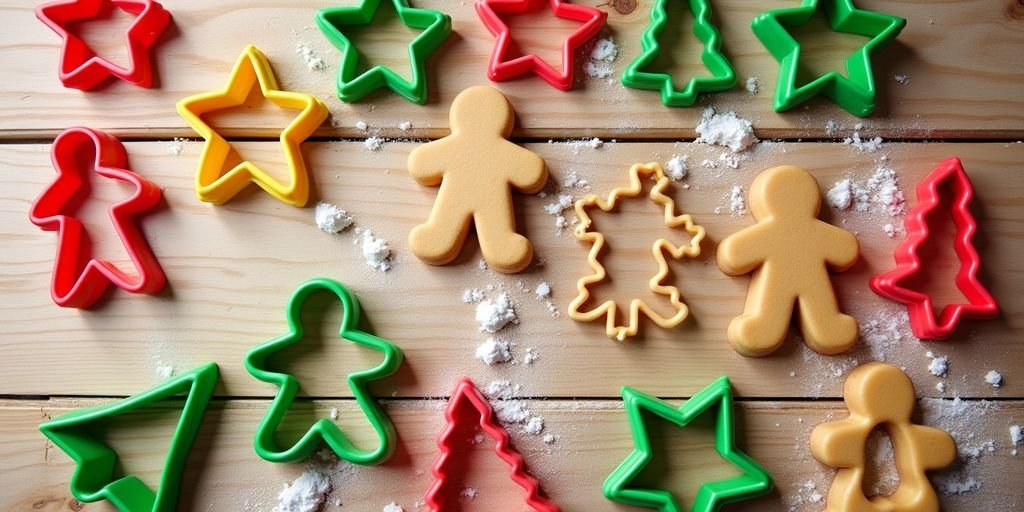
(477, 168)
(790, 252)
(878, 394)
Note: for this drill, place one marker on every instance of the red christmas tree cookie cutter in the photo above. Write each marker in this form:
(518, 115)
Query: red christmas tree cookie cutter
(908, 263)
(78, 279)
(499, 69)
(467, 405)
(80, 67)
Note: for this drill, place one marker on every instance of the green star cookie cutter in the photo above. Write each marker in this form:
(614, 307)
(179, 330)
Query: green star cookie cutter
(324, 430)
(855, 93)
(755, 480)
(351, 87)
(96, 468)
(723, 76)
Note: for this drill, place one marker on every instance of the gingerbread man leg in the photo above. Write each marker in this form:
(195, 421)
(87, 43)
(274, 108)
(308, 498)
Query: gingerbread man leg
(503, 248)
(440, 239)
(826, 330)
(762, 327)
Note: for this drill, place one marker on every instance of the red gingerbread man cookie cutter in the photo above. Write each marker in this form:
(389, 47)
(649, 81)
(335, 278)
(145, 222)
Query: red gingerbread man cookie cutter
(80, 67)
(981, 304)
(499, 69)
(78, 279)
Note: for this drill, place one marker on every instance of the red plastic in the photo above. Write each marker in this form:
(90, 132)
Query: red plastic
(78, 279)
(499, 69)
(466, 406)
(80, 67)
(922, 314)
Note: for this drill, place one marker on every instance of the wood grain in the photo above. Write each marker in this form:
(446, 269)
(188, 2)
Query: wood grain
(232, 268)
(592, 437)
(962, 60)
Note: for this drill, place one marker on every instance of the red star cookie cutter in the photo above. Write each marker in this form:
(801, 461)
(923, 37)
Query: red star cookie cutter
(499, 69)
(80, 67)
(468, 405)
(78, 279)
(908, 263)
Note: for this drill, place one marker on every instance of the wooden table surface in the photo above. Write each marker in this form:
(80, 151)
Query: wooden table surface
(232, 268)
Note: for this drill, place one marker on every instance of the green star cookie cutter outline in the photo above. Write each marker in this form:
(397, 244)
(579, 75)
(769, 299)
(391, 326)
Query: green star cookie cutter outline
(436, 26)
(712, 495)
(96, 462)
(323, 429)
(856, 94)
(724, 76)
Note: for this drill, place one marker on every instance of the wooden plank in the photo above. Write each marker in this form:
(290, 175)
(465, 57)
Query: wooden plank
(592, 437)
(232, 268)
(962, 60)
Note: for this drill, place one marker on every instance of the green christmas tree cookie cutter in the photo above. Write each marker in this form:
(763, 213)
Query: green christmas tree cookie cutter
(723, 76)
(856, 92)
(755, 480)
(95, 479)
(353, 86)
(324, 429)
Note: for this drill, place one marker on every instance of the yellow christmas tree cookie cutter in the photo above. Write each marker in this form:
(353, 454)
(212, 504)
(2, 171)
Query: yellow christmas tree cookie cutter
(213, 184)
(609, 308)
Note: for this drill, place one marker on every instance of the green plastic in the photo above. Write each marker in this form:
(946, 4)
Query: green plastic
(96, 463)
(435, 26)
(723, 76)
(855, 92)
(324, 430)
(755, 480)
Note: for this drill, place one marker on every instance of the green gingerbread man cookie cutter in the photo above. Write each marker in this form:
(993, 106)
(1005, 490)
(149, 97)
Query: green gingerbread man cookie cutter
(354, 86)
(95, 476)
(755, 480)
(324, 429)
(723, 76)
(855, 92)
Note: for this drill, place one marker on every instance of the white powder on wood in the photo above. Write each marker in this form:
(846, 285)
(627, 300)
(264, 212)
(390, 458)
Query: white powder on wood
(564, 202)
(306, 494)
(331, 219)
(313, 61)
(374, 143)
(752, 85)
(550, 439)
(573, 180)
(726, 129)
(543, 290)
(879, 193)
(531, 356)
(163, 370)
(393, 507)
(737, 202)
(678, 167)
(405, 126)
(994, 378)
(469, 493)
(376, 251)
(362, 126)
(869, 145)
(494, 351)
(901, 79)
(1016, 437)
(939, 365)
(472, 295)
(493, 316)
(176, 147)
(534, 425)
(602, 55)
(334, 413)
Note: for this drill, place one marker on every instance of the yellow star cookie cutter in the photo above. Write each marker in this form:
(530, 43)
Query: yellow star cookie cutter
(213, 185)
(609, 308)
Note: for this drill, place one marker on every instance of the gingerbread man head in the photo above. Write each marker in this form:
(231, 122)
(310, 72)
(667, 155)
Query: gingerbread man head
(785, 193)
(481, 111)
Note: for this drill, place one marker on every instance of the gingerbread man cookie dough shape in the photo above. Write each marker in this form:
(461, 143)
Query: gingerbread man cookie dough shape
(790, 252)
(879, 394)
(477, 168)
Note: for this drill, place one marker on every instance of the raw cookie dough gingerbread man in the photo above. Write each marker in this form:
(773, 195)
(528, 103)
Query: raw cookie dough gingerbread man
(879, 394)
(476, 167)
(789, 251)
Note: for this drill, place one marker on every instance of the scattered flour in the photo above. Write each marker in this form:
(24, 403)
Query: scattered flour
(678, 167)
(578, 146)
(362, 126)
(737, 203)
(727, 130)
(164, 370)
(963, 420)
(531, 355)
(376, 251)
(374, 143)
(994, 378)
(334, 413)
(176, 147)
(306, 494)
(880, 192)
(602, 55)
(534, 425)
(543, 291)
(313, 61)
(831, 127)
(393, 507)
(563, 203)
(901, 79)
(1016, 437)
(472, 295)
(573, 180)
(939, 365)
(405, 126)
(752, 85)
(493, 316)
(550, 439)
(869, 145)
(331, 219)
(494, 351)
(469, 493)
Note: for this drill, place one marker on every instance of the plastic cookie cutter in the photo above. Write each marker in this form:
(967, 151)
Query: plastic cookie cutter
(80, 67)
(500, 69)
(609, 308)
(755, 480)
(789, 251)
(79, 280)
(723, 77)
(213, 184)
(256, 362)
(854, 92)
(950, 173)
(467, 407)
(880, 395)
(352, 85)
(475, 167)
(96, 475)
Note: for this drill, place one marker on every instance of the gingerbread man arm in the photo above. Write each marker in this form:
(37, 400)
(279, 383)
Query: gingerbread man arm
(530, 172)
(739, 253)
(840, 444)
(843, 248)
(426, 164)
